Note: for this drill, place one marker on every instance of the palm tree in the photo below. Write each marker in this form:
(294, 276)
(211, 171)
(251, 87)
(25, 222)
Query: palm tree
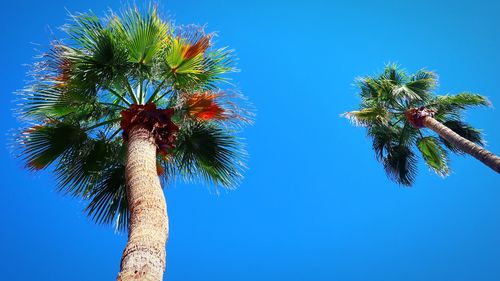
(156, 84)
(396, 107)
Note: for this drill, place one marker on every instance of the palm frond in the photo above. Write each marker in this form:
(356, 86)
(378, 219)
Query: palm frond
(108, 198)
(209, 152)
(450, 106)
(97, 58)
(43, 144)
(96, 172)
(368, 87)
(406, 92)
(368, 116)
(143, 35)
(193, 64)
(217, 63)
(421, 84)
(462, 100)
(416, 88)
(80, 169)
(434, 155)
(400, 165)
(383, 138)
(41, 101)
(394, 74)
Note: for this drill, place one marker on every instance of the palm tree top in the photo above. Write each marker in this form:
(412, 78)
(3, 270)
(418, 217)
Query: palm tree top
(88, 89)
(392, 106)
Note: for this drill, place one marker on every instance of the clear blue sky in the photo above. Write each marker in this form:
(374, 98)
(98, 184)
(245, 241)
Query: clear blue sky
(315, 205)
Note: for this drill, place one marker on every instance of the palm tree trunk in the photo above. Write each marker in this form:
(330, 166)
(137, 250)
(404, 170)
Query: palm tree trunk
(144, 256)
(477, 151)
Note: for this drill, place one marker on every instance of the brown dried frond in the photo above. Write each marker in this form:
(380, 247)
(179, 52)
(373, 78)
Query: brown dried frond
(416, 116)
(191, 51)
(157, 121)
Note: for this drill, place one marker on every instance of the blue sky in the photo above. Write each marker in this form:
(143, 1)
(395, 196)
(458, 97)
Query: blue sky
(315, 204)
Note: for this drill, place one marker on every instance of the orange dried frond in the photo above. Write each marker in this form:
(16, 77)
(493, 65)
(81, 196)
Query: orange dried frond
(64, 69)
(31, 130)
(203, 106)
(191, 51)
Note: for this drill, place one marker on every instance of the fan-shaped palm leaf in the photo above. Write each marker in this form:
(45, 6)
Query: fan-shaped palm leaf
(210, 152)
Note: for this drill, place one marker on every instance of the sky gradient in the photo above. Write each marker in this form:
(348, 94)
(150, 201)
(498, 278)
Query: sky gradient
(315, 204)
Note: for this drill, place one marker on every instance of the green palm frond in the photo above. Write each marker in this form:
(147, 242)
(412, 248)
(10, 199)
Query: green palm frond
(95, 58)
(217, 63)
(210, 152)
(96, 172)
(404, 91)
(84, 29)
(43, 144)
(400, 165)
(143, 35)
(77, 172)
(434, 155)
(368, 87)
(44, 101)
(86, 167)
(394, 74)
(383, 138)
(392, 146)
(421, 84)
(450, 106)
(108, 198)
(461, 101)
(386, 90)
(367, 116)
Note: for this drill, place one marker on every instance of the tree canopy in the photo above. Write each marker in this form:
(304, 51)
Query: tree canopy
(386, 101)
(81, 88)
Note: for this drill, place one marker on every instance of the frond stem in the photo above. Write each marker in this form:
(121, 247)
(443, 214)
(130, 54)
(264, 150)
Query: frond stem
(156, 91)
(113, 104)
(121, 97)
(399, 120)
(103, 123)
(160, 97)
(130, 90)
(139, 90)
(114, 134)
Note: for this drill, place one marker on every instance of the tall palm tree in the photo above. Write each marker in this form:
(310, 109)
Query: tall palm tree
(396, 107)
(156, 84)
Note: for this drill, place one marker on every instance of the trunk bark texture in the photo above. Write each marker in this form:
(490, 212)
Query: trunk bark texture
(477, 151)
(144, 256)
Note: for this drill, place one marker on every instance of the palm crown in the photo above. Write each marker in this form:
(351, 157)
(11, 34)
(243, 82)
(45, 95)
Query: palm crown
(88, 89)
(388, 109)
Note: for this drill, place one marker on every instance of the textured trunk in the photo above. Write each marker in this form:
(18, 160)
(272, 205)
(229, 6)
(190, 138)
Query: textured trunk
(144, 256)
(481, 154)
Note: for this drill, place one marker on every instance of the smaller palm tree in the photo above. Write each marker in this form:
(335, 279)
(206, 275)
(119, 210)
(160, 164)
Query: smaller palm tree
(396, 108)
